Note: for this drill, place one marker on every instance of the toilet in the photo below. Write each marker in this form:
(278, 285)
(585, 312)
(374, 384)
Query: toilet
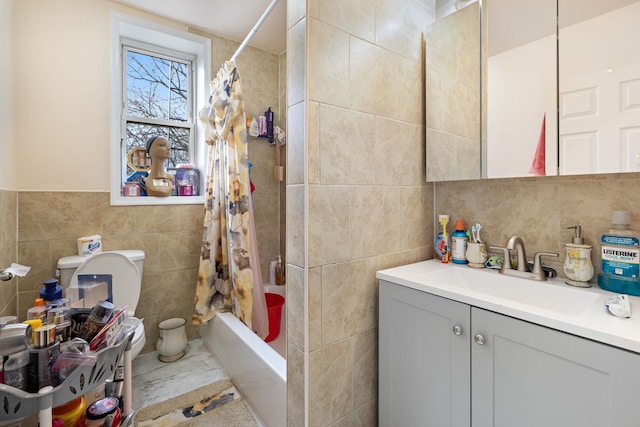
(125, 267)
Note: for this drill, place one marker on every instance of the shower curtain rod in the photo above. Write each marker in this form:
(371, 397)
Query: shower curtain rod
(254, 30)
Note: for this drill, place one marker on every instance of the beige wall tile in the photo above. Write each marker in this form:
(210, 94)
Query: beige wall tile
(330, 383)
(296, 293)
(296, 62)
(364, 416)
(365, 367)
(314, 308)
(295, 387)
(402, 38)
(8, 250)
(346, 155)
(49, 215)
(415, 228)
(328, 231)
(296, 225)
(296, 10)
(328, 64)
(399, 153)
(349, 299)
(356, 17)
(296, 144)
(313, 142)
(374, 221)
(384, 83)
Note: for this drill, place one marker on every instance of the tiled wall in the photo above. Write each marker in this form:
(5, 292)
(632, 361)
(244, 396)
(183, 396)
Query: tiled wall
(452, 81)
(540, 209)
(8, 250)
(357, 199)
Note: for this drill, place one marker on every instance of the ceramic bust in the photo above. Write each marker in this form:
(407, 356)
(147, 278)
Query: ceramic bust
(159, 182)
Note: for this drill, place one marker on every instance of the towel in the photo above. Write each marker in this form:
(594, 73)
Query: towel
(538, 163)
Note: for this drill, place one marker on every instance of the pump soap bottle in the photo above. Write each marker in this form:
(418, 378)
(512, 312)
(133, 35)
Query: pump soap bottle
(577, 263)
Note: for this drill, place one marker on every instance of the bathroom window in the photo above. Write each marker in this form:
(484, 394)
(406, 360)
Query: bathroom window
(159, 78)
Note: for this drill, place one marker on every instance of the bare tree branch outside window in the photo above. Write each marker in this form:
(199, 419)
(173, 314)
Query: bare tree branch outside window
(157, 103)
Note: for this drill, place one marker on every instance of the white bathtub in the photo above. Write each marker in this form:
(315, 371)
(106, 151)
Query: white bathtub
(255, 367)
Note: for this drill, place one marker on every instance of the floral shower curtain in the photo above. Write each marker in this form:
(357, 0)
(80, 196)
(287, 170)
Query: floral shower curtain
(229, 277)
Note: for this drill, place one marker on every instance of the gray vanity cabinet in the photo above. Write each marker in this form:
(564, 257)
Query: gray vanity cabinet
(494, 371)
(424, 367)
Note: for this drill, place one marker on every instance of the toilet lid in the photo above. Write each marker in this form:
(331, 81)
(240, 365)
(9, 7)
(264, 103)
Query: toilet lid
(125, 278)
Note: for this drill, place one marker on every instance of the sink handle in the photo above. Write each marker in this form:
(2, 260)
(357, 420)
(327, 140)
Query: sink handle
(506, 264)
(537, 262)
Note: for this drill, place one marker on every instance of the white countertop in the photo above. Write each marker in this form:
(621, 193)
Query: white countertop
(590, 319)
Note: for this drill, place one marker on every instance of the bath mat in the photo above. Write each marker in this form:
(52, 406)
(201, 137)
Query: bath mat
(217, 404)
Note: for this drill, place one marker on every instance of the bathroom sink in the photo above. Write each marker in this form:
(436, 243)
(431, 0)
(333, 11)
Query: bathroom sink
(548, 295)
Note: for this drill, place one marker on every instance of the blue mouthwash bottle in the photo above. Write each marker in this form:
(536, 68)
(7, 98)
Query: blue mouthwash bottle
(620, 252)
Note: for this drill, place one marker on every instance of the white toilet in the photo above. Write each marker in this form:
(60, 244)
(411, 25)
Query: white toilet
(125, 267)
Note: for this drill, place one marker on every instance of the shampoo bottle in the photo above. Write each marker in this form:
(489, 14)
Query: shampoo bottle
(620, 252)
(269, 117)
(459, 240)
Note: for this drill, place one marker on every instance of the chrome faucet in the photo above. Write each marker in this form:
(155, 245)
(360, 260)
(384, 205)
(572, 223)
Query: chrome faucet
(523, 270)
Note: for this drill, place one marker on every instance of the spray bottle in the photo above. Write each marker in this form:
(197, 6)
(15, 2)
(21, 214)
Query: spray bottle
(442, 241)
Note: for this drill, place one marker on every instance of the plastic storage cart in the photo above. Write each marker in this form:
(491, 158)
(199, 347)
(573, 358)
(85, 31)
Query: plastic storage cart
(16, 403)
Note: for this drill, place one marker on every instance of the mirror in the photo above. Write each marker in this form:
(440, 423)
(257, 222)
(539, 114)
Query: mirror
(599, 79)
(589, 124)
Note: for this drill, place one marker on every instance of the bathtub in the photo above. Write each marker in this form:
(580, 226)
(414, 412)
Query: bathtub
(255, 367)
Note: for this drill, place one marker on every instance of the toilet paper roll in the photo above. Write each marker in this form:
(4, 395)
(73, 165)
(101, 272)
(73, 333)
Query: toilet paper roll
(89, 245)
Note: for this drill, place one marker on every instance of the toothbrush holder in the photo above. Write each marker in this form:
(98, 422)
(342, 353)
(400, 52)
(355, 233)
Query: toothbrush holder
(476, 254)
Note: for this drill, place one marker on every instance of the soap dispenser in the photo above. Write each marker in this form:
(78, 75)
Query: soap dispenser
(577, 263)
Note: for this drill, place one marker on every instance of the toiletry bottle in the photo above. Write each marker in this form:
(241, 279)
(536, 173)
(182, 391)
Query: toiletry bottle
(38, 311)
(620, 252)
(269, 116)
(459, 240)
(51, 290)
(253, 128)
(279, 272)
(442, 241)
(42, 356)
(577, 263)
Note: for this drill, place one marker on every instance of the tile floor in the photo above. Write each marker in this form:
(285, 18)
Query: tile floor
(154, 381)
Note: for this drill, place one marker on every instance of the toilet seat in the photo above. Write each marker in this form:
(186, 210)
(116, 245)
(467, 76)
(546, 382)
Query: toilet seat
(125, 278)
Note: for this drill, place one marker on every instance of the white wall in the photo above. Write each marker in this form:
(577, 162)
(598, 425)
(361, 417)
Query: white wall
(7, 139)
(520, 82)
(61, 83)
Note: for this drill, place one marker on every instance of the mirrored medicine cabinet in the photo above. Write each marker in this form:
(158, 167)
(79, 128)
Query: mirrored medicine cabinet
(519, 87)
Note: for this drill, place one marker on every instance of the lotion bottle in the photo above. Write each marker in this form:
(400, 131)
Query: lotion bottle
(577, 262)
(459, 240)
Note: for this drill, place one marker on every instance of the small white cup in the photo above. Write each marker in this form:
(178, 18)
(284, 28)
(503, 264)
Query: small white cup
(476, 254)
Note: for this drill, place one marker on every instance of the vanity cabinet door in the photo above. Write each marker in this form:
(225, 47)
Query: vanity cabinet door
(527, 375)
(424, 366)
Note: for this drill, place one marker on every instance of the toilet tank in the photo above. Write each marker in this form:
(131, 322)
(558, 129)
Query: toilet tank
(68, 265)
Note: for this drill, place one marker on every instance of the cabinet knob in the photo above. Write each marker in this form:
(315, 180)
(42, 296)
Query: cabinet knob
(457, 330)
(479, 339)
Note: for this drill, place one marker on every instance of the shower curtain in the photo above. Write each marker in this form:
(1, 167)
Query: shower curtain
(229, 277)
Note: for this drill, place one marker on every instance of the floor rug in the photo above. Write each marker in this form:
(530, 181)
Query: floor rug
(214, 405)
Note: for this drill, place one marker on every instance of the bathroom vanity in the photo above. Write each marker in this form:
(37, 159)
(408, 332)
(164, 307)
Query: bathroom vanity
(466, 347)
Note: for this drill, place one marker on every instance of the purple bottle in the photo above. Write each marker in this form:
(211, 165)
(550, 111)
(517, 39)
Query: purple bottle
(269, 116)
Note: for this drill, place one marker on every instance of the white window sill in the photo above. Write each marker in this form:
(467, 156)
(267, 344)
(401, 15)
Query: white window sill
(118, 200)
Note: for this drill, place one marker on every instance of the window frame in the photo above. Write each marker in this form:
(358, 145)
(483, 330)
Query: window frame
(151, 35)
